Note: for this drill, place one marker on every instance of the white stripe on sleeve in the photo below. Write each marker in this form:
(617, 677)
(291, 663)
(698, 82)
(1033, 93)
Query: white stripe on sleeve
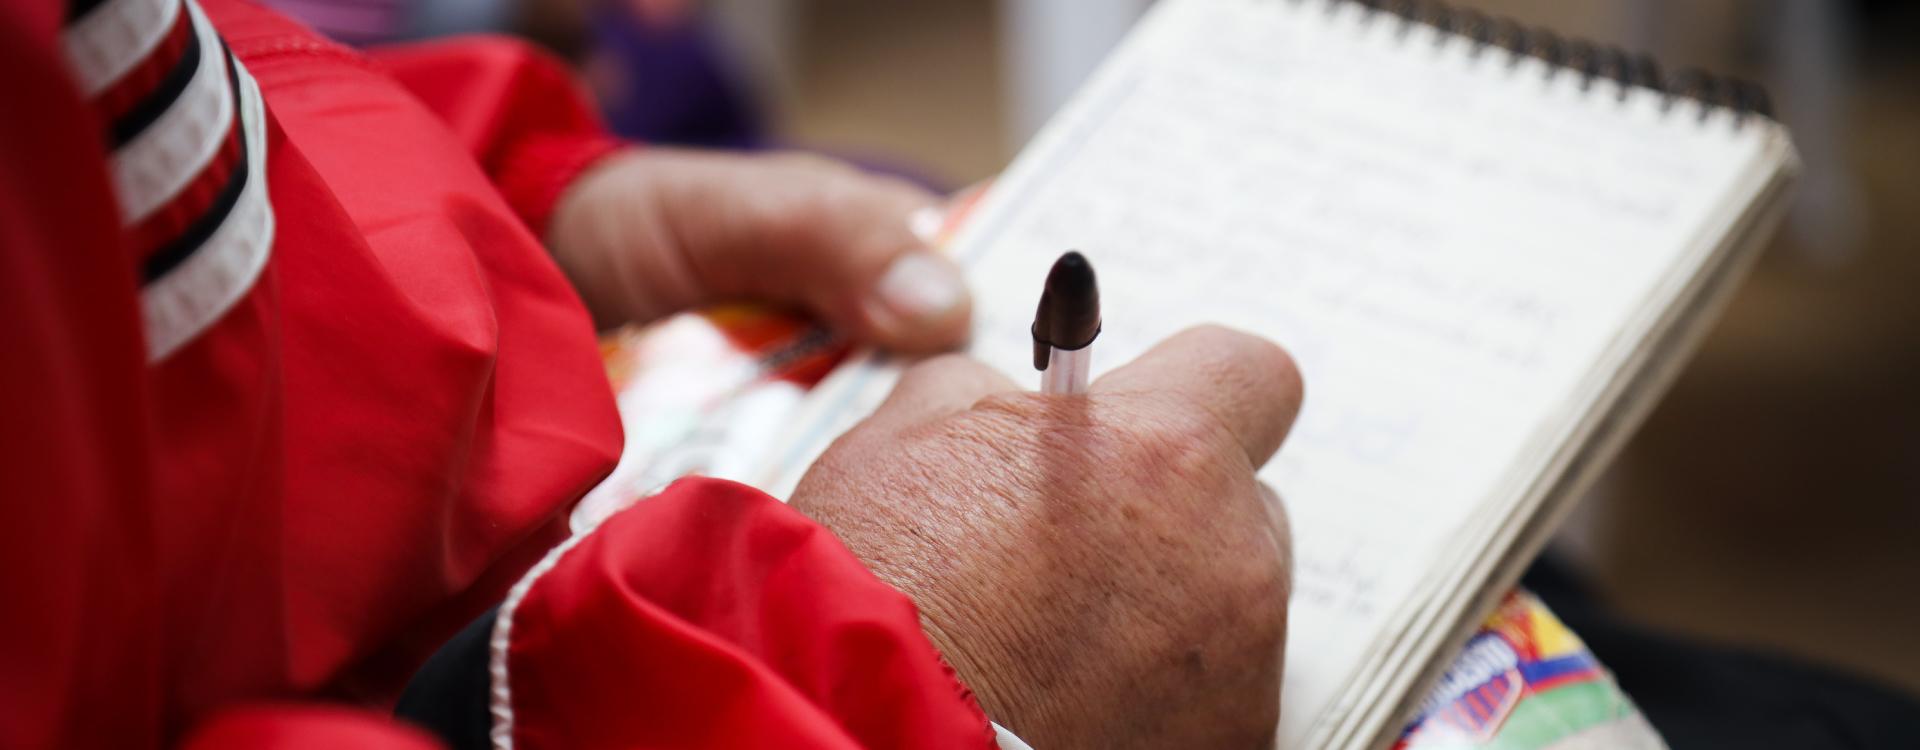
(109, 40)
(187, 299)
(159, 162)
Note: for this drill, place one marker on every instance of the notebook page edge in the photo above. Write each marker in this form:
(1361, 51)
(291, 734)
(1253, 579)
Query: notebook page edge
(1674, 341)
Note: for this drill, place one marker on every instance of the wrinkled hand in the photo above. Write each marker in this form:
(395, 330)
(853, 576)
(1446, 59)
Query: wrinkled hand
(658, 230)
(1103, 570)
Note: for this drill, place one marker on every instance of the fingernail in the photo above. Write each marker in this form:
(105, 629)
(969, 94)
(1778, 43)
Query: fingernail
(925, 223)
(919, 288)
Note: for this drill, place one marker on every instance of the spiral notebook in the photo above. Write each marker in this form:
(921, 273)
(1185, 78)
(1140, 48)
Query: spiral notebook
(1488, 250)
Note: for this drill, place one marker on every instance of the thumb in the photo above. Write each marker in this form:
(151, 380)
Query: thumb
(864, 260)
(919, 303)
(664, 230)
(802, 229)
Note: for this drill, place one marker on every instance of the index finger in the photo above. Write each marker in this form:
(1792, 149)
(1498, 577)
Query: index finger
(1247, 382)
(937, 387)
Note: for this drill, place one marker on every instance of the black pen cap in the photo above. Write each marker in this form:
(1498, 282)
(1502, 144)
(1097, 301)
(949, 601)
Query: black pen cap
(1069, 314)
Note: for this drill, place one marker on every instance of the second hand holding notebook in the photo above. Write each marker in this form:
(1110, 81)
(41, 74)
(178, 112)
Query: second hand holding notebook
(1486, 264)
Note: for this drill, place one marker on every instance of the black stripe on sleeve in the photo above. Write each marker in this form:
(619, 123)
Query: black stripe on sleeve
(78, 9)
(157, 101)
(176, 251)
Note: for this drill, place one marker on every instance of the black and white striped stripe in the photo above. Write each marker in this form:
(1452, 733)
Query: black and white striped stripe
(165, 141)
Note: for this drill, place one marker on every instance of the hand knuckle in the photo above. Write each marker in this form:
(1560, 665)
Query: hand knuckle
(1185, 443)
(1259, 361)
(934, 370)
(1010, 405)
(1282, 373)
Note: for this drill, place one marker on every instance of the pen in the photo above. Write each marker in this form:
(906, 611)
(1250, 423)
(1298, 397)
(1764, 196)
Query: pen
(1066, 324)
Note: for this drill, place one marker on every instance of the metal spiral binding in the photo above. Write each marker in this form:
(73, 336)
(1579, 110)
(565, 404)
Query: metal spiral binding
(1590, 61)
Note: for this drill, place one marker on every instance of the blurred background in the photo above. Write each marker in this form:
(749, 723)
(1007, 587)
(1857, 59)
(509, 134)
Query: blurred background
(1773, 499)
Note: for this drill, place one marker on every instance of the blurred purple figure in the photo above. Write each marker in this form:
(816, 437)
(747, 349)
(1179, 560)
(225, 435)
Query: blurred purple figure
(661, 77)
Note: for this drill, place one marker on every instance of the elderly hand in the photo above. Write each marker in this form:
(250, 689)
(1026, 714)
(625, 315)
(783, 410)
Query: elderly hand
(658, 230)
(1103, 570)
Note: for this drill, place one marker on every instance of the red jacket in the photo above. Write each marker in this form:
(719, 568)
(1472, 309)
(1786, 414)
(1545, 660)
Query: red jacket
(244, 520)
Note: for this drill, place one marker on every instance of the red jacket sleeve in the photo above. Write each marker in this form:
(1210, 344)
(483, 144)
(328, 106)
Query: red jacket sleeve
(517, 109)
(75, 550)
(712, 615)
(81, 661)
(304, 727)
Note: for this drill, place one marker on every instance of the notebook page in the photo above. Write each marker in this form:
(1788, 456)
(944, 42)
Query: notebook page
(1445, 246)
(1647, 355)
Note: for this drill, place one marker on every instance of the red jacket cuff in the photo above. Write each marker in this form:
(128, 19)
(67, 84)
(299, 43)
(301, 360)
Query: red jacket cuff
(712, 615)
(519, 110)
(540, 168)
